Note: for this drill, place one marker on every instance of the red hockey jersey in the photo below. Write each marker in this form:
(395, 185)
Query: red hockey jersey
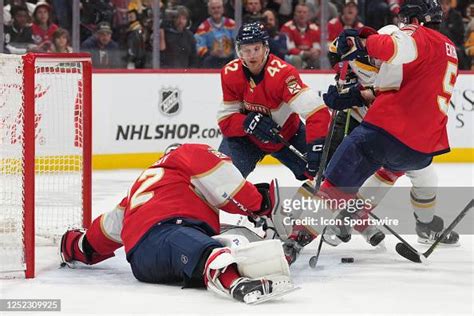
(336, 26)
(280, 94)
(301, 40)
(415, 84)
(189, 182)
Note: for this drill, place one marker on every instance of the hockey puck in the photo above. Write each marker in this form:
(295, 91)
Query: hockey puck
(347, 260)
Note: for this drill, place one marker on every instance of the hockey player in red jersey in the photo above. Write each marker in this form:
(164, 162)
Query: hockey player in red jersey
(406, 125)
(362, 83)
(166, 224)
(263, 94)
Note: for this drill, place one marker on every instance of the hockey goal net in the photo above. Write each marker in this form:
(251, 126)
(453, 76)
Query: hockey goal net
(45, 152)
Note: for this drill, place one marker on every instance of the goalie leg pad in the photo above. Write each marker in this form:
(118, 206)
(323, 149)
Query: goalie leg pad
(240, 231)
(262, 259)
(231, 240)
(259, 263)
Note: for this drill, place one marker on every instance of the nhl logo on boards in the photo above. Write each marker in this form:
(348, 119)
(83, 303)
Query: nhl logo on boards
(170, 101)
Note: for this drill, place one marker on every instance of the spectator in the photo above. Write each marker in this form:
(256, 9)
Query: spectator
(198, 12)
(61, 42)
(278, 41)
(18, 35)
(121, 12)
(346, 20)
(92, 13)
(304, 38)
(215, 37)
(463, 7)
(43, 27)
(453, 27)
(284, 8)
(103, 49)
(180, 47)
(252, 11)
(63, 13)
(7, 16)
(137, 37)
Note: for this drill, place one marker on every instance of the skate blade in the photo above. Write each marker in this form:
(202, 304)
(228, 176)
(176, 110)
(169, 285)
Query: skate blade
(425, 241)
(273, 296)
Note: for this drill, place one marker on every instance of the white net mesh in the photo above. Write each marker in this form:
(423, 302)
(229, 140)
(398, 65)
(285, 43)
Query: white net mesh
(58, 153)
(11, 163)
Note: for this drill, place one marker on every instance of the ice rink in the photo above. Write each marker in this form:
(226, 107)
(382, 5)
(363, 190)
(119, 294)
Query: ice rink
(378, 282)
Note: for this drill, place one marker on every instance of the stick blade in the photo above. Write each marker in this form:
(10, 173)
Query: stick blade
(407, 253)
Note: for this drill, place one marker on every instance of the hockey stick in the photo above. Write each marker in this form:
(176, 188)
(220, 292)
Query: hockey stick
(327, 141)
(322, 165)
(413, 255)
(394, 233)
(257, 220)
(287, 144)
(313, 261)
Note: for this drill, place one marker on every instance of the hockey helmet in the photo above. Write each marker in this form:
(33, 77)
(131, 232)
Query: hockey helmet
(426, 11)
(251, 33)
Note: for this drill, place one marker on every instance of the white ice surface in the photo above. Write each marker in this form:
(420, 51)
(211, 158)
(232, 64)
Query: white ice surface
(378, 282)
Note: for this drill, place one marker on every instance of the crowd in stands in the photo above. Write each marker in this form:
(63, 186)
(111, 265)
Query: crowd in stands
(200, 33)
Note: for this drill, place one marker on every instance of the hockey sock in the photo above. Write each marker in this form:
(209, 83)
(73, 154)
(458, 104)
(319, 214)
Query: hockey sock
(375, 188)
(424, 208)
(228, 276)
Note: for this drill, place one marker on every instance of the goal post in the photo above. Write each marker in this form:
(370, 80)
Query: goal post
(45, 152)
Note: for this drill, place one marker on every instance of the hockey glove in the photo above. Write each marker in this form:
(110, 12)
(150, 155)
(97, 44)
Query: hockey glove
(348, 98)
(349, 45)
(261, 127)
(315, 150)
